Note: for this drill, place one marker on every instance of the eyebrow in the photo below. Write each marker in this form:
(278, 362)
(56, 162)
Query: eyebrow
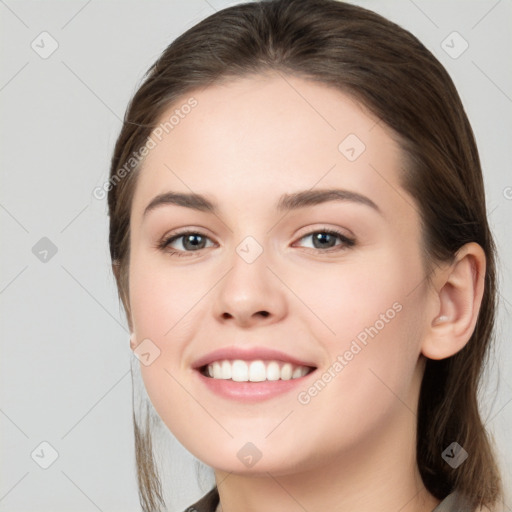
(286, 202)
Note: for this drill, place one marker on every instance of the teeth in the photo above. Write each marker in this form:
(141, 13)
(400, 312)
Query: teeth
(257, 371)
(286, 372)
(239, 371)
(273, 371)
(226, 370)
(297, 373)
(217, 370)
(254, 371)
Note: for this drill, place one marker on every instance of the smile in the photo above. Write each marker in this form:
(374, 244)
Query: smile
(257, 370)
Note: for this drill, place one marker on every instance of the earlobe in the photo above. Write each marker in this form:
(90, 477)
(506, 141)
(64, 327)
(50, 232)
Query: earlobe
(133, 341)
(461, 288)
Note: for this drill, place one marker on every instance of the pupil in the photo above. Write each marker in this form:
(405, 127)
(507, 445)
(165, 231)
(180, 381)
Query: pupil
(321, 238)
(190, 238)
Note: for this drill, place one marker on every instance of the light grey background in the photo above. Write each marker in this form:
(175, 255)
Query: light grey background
(65, 354)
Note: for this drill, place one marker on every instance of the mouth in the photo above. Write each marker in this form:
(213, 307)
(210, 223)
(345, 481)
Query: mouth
(251, 374)
(258, 370)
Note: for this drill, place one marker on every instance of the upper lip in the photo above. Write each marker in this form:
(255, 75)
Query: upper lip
(248, 354)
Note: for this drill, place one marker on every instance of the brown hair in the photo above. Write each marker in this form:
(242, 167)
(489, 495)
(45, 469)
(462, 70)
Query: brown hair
(386, 69)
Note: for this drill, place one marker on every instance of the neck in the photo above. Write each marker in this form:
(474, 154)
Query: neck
(345, 484)
(378, 473)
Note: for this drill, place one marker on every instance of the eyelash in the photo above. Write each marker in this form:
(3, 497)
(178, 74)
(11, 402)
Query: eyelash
(166, 241)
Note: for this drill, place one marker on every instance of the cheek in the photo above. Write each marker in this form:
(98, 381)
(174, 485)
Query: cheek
(162, 299)
(368, 380)
(165, 302)
(348, 296)
(366, 315)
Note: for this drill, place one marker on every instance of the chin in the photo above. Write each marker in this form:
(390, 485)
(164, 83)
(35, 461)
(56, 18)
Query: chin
(247, 458)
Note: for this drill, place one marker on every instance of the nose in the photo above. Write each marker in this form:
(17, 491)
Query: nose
(250, 294)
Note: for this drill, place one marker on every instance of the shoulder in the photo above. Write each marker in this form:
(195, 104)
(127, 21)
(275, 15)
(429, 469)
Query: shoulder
(208, 503)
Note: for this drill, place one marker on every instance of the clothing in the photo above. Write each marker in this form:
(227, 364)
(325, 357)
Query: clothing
(208, 503)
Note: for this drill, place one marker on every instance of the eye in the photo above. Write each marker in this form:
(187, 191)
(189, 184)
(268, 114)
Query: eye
(190, 241)
(324, 240)
(187, 242)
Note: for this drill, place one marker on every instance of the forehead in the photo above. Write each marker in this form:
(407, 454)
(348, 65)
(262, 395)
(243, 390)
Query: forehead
(249, 140)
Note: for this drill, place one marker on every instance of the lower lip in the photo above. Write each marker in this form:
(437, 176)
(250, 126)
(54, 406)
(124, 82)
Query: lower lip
(251, 391)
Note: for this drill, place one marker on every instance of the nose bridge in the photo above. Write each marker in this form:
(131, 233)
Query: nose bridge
(250, 291)
(251, 249)
(249, 274)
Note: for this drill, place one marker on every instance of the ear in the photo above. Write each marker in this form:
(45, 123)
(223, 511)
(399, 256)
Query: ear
(459, 290)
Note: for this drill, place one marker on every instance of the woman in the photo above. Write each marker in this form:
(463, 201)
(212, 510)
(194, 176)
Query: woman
(299, 237)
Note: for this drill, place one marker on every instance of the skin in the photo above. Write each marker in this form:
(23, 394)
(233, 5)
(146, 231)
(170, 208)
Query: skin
(247, 142)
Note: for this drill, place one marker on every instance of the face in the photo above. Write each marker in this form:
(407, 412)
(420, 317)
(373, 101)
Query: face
(276, 275)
